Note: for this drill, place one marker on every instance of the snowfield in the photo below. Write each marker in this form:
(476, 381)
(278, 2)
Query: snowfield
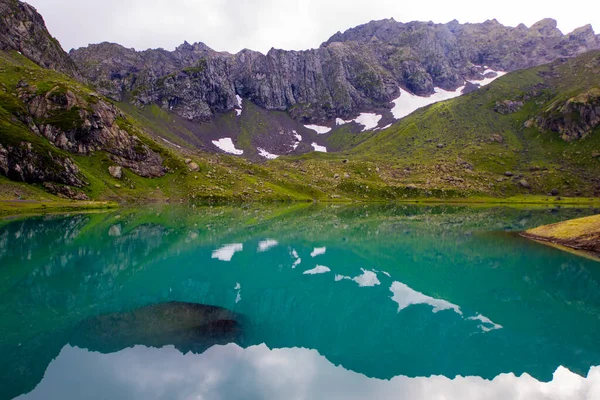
(321, 149)
(321, 130)
(408, 103)
(226, 144)
(238, 111)
(263, 153)
(368, 120)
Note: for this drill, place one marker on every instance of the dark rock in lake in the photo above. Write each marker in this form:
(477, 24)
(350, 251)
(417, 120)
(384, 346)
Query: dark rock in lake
(187, 326)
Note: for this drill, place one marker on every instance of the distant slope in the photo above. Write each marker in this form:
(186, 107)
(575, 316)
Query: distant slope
(535, 129)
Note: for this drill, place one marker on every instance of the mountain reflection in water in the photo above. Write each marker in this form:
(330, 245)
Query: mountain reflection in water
(379, 291)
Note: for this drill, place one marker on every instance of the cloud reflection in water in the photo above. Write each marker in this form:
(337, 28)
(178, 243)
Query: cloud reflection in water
(226, 372)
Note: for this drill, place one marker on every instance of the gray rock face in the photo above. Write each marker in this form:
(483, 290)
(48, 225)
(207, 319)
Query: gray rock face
(23, 163)
(23, 29)
(575, 118)
(508, 106)
(354, 71)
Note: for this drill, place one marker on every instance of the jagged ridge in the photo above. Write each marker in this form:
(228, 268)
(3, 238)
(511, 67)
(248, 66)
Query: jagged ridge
(361, 69)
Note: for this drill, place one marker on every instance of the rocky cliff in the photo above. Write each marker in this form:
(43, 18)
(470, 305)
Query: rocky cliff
(46, 117)
(574, 118)
(23, 29)
(358, 70)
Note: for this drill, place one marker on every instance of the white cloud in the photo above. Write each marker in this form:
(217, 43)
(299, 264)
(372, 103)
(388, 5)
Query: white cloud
(230, 25)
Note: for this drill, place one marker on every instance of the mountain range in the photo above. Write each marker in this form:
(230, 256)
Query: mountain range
(342, 121)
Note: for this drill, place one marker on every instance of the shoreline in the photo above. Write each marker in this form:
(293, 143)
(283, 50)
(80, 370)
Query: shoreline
(10, 208)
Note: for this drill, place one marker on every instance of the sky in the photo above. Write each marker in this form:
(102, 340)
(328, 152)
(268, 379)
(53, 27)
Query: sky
(232, 25)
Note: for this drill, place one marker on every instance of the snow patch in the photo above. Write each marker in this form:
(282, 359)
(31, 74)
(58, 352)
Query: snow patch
(226, 144)
(408, 103)
(487, 81)
(319, 269)
(317, 251)
(238, 110)
(321, 130)
(266, 245)
(226, 252)
(339, 121)
(297, 141)
(263, 153)
(321, 149)
(368, 120)
(171, 143)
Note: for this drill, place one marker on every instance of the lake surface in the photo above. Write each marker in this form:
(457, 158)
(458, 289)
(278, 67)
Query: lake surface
(381, 301)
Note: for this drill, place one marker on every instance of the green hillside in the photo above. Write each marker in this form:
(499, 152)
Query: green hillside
(466, 138)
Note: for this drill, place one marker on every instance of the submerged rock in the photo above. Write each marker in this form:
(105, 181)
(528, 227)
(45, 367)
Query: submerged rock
(187, 326)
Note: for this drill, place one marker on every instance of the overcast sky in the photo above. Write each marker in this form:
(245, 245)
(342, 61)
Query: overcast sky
(232, 25)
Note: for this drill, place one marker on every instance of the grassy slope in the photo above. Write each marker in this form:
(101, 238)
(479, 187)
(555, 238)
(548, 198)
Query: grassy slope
(464, 126)
(570, 229)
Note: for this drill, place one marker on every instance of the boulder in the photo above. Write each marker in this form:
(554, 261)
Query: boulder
(116, 171)
(524, 184)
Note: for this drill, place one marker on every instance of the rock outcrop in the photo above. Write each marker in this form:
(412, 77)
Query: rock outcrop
(26, 163)
(354, 71)
(574, 118)
(84, 123)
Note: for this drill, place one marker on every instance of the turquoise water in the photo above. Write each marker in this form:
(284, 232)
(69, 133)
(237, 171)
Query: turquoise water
(332, 301)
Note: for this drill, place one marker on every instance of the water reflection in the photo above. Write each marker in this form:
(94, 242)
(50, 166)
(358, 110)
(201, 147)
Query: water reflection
(231, 372)
(504, 304)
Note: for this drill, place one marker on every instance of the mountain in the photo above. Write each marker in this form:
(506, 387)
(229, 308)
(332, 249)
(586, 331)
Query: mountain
(356, 71)
(533, 131)
(22, 29)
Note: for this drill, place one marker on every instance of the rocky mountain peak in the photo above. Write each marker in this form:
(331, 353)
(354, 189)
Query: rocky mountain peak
(23, 29)
(547, 27)
(355, 71)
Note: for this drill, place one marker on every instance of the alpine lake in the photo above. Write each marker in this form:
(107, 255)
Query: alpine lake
(296, 302)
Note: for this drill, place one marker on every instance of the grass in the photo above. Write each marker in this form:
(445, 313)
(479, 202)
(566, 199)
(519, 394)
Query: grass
(568, 230)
